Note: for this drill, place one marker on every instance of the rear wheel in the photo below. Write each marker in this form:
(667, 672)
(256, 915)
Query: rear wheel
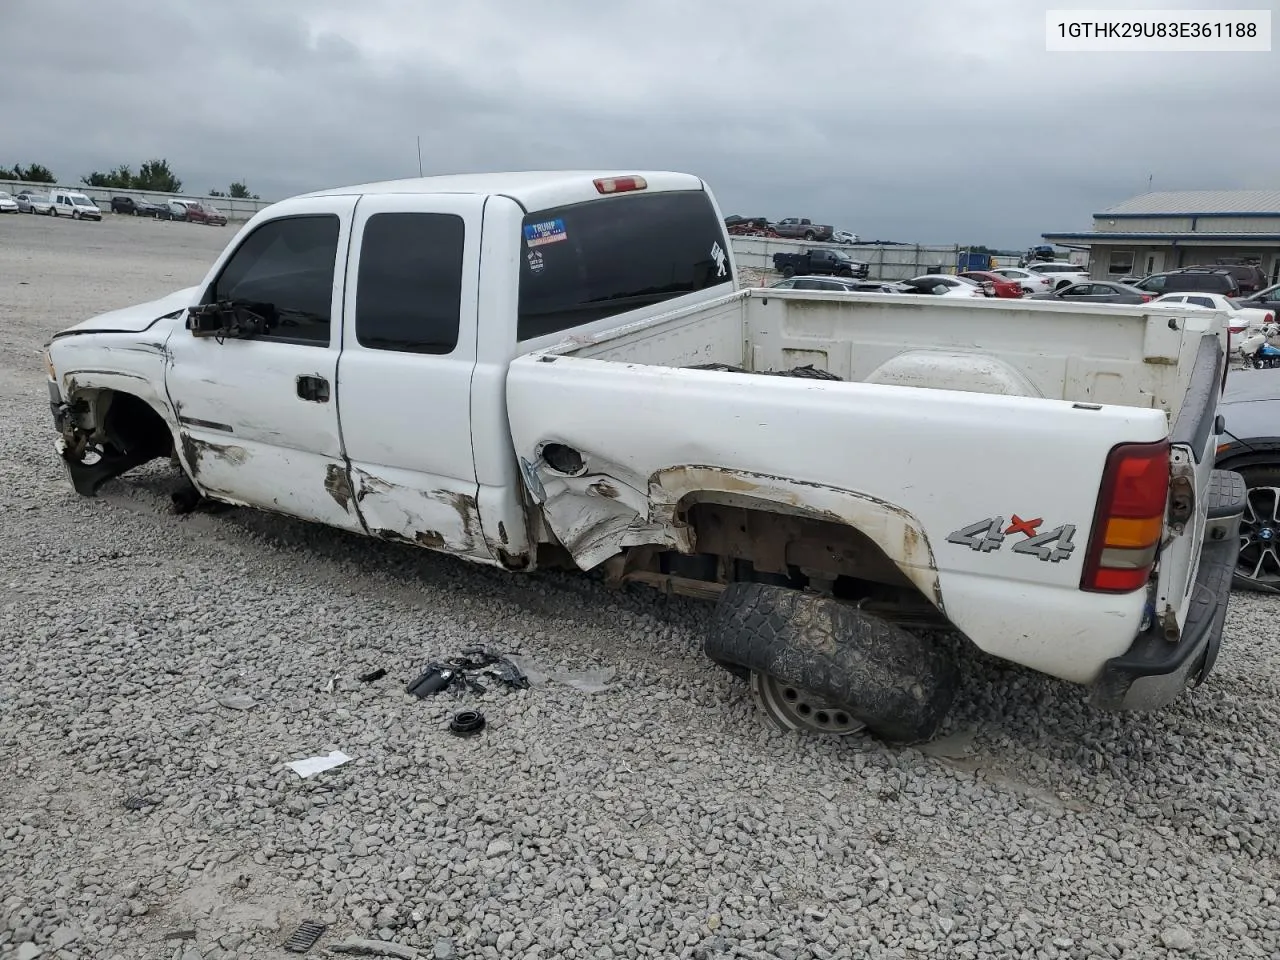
(1258, 567)
(820, 665)
(788, 271)
(809, 235)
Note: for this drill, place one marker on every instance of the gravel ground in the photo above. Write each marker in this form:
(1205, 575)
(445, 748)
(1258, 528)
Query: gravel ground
(659, 818)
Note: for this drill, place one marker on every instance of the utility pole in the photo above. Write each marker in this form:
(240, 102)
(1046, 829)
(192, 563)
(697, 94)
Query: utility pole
(419, 155)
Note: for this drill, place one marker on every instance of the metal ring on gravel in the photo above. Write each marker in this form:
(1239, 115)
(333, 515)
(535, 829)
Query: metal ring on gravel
(794, 709)
(467, 723)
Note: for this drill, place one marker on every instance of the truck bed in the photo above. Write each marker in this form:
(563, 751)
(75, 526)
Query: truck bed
(951, 415)
(1105, 354)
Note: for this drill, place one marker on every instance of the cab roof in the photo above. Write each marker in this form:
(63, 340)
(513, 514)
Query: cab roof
(532, 189)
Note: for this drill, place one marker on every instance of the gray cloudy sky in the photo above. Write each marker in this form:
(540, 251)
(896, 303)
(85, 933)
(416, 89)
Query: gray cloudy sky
(922, 120)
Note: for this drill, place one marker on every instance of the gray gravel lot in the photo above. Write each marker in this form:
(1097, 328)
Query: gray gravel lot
(660, 818)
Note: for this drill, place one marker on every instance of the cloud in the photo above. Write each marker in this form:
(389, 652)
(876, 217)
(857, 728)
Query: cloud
(919, 120)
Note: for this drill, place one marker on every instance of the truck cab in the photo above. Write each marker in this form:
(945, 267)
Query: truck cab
(385, 311)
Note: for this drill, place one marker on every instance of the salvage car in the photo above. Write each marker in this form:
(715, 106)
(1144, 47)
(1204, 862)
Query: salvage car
(73, 204)
(29, 202)
(798, 228)
(1097, 291)
(1250, 446)
(832, 262)
(511, 369)
(7, 203)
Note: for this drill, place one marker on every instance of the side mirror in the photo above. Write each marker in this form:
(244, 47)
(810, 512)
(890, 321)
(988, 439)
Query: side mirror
(225, 320)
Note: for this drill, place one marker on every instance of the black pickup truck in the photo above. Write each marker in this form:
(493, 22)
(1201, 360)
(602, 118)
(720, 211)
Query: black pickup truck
(835, 262)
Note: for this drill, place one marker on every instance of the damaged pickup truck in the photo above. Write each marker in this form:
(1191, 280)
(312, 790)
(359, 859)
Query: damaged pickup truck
(540, 369)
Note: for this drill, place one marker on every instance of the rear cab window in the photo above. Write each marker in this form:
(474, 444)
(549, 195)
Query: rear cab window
(589, 261)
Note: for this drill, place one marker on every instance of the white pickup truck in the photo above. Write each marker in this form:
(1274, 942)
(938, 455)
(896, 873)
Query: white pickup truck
(536, 369)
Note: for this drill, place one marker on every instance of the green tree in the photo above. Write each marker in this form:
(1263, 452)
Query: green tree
(238, 189)
(34, 173)
(156, 175)
(121, 178)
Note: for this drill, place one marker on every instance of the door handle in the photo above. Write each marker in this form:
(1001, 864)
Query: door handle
(313, 388)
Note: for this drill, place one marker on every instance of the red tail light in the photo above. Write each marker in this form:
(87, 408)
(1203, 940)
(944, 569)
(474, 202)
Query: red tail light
(1129, 520)
(620, 184)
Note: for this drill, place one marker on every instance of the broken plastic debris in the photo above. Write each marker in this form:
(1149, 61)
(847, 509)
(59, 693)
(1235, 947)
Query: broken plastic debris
(373, 675)
(374, 948)
(313, 765)
(305, 937)
(237, 703)
(588, 681)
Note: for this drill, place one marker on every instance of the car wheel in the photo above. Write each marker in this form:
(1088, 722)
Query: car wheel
(1258, 566)
(809, 234)
(75, 214)
(53, 211)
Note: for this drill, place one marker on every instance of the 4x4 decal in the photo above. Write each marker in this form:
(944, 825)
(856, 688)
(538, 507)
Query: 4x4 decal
(989, 535)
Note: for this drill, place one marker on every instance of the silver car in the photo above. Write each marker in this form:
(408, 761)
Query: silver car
(7, 203)
(29, 202)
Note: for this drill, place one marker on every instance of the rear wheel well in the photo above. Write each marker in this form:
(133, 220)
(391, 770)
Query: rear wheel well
(817, 555)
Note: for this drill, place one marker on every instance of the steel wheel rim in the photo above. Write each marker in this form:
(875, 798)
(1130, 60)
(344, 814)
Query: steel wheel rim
(793, 708)
(1259, 559)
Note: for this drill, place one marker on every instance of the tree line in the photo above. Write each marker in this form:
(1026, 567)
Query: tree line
(153, 175)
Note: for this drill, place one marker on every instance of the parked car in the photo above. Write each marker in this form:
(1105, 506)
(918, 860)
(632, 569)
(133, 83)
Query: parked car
(1267, 298)
(1028, 281)
(73, 204)
(1242, 318)
(205, 213)
(173, 210)
(1191, 280)
(149, 208)
(1097, 291)
(727, 484)
(844, 236)
(838, 284)
(29, 202)
(124, 205)
(945, 285)
(1059, 272)
(7, 203)
(834, 262)
(1250, 446)
(797, 228)
(1248, 276)
(1002, 286)
(1041, 251)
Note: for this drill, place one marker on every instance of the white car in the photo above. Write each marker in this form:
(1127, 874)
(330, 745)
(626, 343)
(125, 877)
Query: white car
(73, 204)
(945, 285)
(1030, 282)
(844, 236)
(1059, 273)
(1047, 549)
(7, 203)
(1242, 319)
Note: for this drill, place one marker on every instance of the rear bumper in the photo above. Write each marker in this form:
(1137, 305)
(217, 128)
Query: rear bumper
(1154, 671)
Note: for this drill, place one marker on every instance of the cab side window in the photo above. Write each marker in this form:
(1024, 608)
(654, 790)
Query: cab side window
(284, 271)
(409, 290)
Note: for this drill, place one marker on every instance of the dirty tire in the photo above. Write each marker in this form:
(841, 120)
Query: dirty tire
(900, 685)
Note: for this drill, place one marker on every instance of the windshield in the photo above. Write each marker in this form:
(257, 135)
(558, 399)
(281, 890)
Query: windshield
(82, 201)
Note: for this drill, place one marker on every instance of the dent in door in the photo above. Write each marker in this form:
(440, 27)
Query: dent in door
(445, 520)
